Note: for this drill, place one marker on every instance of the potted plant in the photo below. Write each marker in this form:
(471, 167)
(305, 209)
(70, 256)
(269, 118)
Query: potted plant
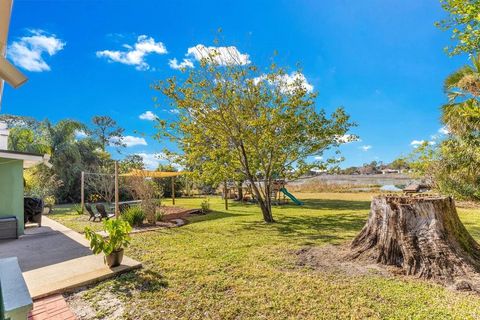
(112, 246)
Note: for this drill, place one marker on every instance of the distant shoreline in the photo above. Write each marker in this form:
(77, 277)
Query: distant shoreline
(358, 180)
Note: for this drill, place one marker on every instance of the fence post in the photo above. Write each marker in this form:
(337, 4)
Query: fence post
(173, 190)
(117, 210)
(82, 192)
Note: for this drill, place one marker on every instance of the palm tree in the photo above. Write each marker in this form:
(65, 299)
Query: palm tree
(60, 136)
(462, 112)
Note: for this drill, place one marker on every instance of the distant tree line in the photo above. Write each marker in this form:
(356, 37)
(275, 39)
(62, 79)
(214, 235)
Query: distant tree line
(400, 164)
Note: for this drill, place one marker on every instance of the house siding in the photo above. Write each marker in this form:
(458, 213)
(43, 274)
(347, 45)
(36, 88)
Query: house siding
(11, 190)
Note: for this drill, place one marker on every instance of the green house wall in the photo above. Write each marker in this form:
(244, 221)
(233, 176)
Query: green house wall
(11, 190)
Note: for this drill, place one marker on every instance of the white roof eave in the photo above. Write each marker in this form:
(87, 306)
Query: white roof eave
(29, 160)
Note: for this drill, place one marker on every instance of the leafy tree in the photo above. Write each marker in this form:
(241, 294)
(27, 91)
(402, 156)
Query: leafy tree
(452, 167)
(60, 142)
(131, 162)
(464, 22)
(232, 118)
(106, 131)
(41, 182)
(22, 139)
(400, 163)
(350, 170)
(369, 168)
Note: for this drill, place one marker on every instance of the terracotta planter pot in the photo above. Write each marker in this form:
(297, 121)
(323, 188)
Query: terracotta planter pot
(114, 259)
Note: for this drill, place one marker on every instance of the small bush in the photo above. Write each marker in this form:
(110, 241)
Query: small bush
(205, 205)
(134, 216)
(78, 209)
(49, 201)
(159, 215)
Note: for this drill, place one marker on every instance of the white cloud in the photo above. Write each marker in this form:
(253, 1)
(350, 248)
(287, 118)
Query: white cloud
(347, 138)
(288, 82)
(130, 141)
(28, 51)
(366, 147)
(135, 56)
(219, 55)
(318, 158)
(186, 63)
(443, 130)
(417, 143)
(152, 160)
(148, 115)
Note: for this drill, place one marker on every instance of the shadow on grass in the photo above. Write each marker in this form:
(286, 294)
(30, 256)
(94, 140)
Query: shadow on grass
(327, 204)
(215, 215)
(330, 226)
(320, 204)
(473, 229)
(322, 228)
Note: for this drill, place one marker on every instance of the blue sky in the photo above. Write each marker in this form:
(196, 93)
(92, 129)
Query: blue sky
(383, 60)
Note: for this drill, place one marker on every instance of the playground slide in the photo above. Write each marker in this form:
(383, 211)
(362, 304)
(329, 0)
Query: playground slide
(291, 196)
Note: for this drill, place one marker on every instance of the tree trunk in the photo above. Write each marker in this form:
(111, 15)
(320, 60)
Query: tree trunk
(266, 212)
(225, 194)
(264, 206)
(239, 191)
(422, 235)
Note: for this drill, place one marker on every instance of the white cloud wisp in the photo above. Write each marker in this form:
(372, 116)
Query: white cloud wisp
(148, 115)
(28, 52)
(135, 55)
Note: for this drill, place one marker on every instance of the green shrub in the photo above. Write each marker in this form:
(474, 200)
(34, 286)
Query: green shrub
(134, 216)
(49, 201)
(78, 209)
(205, 205)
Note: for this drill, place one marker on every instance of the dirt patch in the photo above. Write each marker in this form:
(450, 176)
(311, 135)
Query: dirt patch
(333, 259)
(107, 306)
(336, 259)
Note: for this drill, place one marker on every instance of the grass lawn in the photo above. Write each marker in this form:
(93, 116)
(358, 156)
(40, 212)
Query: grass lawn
(230, 265)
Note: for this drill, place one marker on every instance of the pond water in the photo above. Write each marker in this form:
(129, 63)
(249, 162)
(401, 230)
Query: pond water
(392, 188)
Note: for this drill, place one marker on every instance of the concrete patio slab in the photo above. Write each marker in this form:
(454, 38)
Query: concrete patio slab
(55, 259)
(71, 274)
(42, 246)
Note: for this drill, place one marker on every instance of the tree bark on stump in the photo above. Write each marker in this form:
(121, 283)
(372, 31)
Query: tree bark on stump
(422, 235)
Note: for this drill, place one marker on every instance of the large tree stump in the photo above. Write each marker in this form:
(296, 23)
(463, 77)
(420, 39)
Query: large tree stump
(423, 236)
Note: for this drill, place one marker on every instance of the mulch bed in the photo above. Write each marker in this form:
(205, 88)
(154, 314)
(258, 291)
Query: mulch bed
(172, 212)
(173, 217)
